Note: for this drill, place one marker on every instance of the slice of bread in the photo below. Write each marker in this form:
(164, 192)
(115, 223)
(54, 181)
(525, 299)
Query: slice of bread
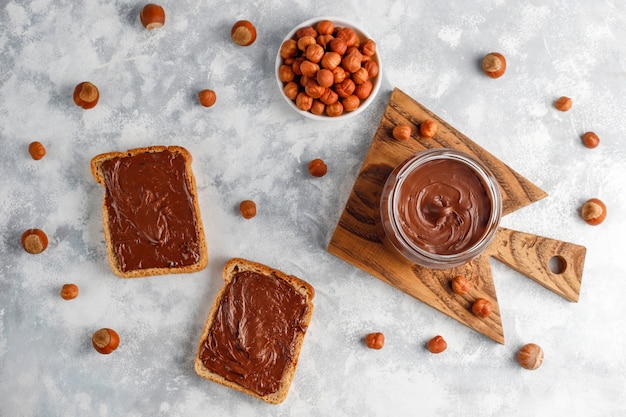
(246, 345)
(150, 212)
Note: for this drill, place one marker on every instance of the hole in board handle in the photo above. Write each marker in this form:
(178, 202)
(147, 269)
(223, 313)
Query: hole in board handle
(557, 264)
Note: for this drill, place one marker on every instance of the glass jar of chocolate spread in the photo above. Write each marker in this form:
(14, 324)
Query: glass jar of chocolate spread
(440, 208)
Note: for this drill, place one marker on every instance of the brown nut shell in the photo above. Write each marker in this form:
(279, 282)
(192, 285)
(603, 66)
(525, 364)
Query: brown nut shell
(590, 140)
(428, 128)
(69, 291)
(436, 345)
(247, 208)
(86, 95)
(105, 340)
(460, 285)
(36, 150)
(530, 356)
(317, 168)
(494, 65)
(593, 211)
(375, 340)
(207, 98)
(152, 16)
(563, 103)
(402, 132)
(481, 308)
(243, 33)
(34, 241)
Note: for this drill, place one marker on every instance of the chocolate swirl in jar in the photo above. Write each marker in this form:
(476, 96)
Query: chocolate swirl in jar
(443, 206)
(440, 208)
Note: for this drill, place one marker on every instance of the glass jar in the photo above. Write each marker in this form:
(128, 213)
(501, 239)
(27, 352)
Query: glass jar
(440, 208)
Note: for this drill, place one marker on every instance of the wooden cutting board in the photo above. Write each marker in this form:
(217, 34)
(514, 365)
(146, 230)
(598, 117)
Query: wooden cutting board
(357, 239)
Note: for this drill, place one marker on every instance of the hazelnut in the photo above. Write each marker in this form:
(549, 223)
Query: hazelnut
(331, 60)
(402, 132)
(325, 27)
(360, 76)
(318, 107)
(345, 88)
(372, 68)
(340, 75)
(338, 45)
(207, 98)
(304, 101)
(351, 103)
(305, 41)
(347, 35)
(563, 103)
(152, 16)
(437, 344)
(105, 341)
(314, 90)
(36, 150)
(375, 340)
(494, 65)
(428, 128)
(364, 90)
(247, 208)
(590, 140)
(69, 291)
(368, 48)
(243, 33)
(460, 285)
(86, 95)
(285, 73)
(593, 211)
(530, 356)
(481, 308)
(329, 97)
(291, 90)
(314, 53)
(352, 62)
(317, 168)
(325, 78)
(306, 31)
(34, 241)
(309, 69)
(289, 49)
(324, 40)
(334, 109)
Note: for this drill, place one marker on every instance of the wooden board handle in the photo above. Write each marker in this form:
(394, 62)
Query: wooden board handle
(534, 255)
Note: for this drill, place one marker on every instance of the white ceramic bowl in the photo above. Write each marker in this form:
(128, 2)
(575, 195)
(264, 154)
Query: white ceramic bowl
(363, 35)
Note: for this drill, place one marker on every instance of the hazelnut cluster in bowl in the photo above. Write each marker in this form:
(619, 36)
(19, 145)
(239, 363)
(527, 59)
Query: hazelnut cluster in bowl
(327, 68)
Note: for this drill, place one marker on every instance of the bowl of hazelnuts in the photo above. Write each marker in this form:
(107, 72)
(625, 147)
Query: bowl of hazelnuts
(327, 68)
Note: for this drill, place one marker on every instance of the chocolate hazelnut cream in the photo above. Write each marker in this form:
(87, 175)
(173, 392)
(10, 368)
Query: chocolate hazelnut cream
(443, 207)
(251, 340)
(151, 216)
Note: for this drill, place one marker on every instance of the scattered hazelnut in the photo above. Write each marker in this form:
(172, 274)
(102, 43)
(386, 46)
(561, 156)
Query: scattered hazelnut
(34, 241)
(207, 98)
(437, 344)
(86, 95)
(317, 168)
(243, 33)
(530, 356)
(402, 132)
(590, 140)
(69, 291)
(152, 16)
(563, 103)
(481, 308)
(460, 285)
(375, 340)
(494, 65)
(105, 341)
(36, 150)
(428, 128)
(247, 208)
(593, 211)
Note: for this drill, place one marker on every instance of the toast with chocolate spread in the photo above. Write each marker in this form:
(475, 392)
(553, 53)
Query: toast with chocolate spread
(255, 329)
(150, 212)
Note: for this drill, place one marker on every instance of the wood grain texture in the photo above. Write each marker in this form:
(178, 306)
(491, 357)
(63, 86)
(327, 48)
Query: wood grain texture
(358, 237)
(531, 255)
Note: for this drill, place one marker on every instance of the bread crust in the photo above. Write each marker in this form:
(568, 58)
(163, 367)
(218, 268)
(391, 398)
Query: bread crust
(98, 174)
(231, 268)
